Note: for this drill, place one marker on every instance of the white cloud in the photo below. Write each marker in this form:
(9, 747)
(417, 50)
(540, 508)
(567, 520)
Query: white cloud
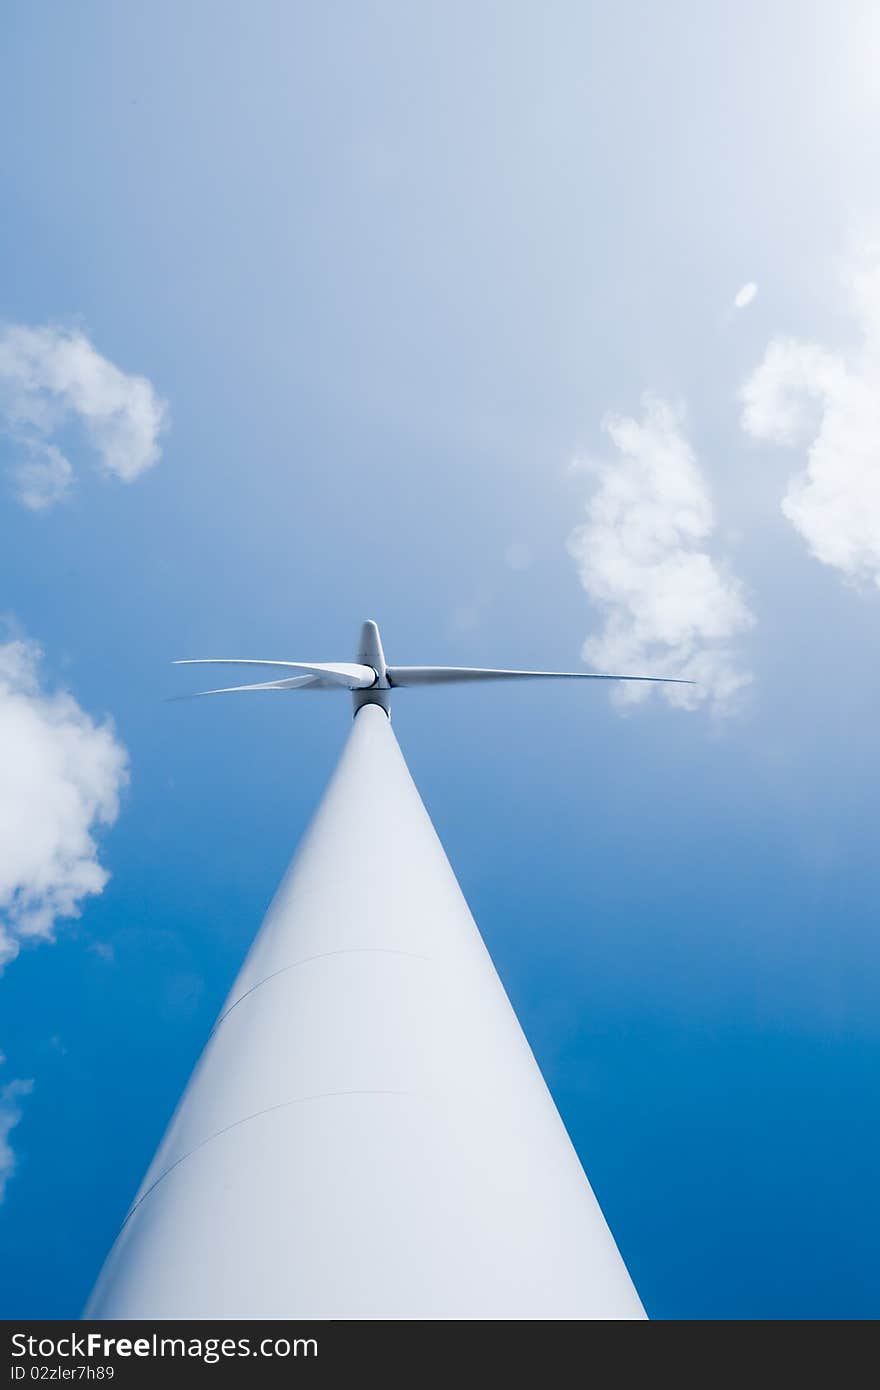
(61, 778)
(10, 1114)
(804, 393)
(44, 478)
(52, 376)
(744, 296)
(669, 608)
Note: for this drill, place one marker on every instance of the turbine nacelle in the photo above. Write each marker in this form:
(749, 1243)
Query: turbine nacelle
(372, 655)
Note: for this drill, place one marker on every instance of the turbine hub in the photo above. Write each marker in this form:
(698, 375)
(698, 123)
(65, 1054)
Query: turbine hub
(370, 653)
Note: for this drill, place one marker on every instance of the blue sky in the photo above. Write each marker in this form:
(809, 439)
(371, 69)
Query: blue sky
(392, 270)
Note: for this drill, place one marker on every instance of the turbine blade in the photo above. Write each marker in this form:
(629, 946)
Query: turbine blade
(455, 675)
(294, 684)
(350, 675)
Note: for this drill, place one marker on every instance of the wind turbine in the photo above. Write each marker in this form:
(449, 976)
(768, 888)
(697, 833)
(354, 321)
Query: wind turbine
(367, 1133)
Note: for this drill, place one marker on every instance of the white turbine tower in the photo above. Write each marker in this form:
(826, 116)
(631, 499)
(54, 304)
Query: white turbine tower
(367, 1133)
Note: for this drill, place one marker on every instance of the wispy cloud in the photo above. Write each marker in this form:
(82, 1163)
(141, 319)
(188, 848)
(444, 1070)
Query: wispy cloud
(744, 296)
(51, 377)
(43, 476)
(62, 774)
(805, 393)
(670, 608)
(10, 1114)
